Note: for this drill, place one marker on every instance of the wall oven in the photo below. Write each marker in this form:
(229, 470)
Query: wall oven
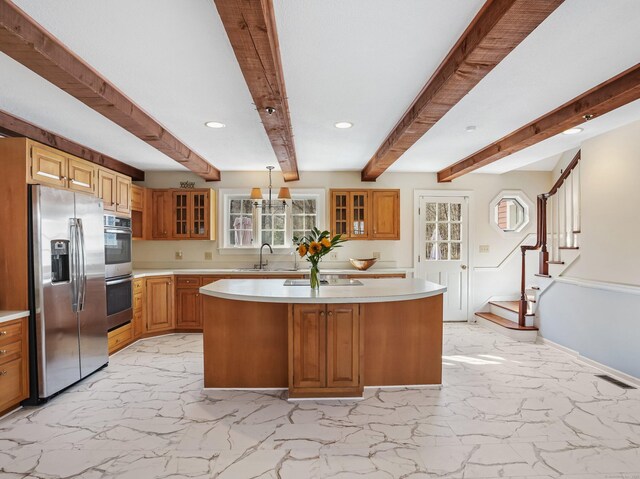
(118, 269)
(117, 246)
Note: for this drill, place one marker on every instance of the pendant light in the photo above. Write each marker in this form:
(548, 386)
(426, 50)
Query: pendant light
(258, 202)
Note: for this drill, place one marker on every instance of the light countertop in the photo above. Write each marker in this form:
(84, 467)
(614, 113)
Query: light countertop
(143, 273)
(11, 315)
(371, 291)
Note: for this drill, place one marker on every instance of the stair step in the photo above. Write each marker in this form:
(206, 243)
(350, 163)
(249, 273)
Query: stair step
(568, 247)
(494, 318)
(555, 262)
(513, 306)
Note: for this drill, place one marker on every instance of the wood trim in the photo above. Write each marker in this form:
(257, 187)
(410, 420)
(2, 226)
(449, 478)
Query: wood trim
(27, 42)
(605, 97)
(13, 126)
(496, 30)
(251, 28)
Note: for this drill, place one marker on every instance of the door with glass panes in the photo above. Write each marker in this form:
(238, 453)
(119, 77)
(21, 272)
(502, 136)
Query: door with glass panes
(443, 251)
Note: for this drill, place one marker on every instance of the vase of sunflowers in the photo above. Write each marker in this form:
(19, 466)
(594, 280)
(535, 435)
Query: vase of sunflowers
(313, 247)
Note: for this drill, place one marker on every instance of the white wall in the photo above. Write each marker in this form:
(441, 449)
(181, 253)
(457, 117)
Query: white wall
(602, 324)
(393, 253)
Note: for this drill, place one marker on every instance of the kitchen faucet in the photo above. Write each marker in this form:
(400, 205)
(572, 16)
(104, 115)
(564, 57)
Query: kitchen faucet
(262, 265)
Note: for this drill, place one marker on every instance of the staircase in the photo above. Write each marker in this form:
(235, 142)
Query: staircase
(557, 235)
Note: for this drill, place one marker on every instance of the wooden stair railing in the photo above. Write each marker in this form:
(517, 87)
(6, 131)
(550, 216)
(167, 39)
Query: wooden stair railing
(542, 235)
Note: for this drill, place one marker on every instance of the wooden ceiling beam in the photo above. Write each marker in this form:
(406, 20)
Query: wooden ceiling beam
(496, 30)
(27, 42)
(251, 28)
(12, 126)
(609, 95)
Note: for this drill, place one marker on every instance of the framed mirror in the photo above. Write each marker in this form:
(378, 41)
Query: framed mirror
(509, 211)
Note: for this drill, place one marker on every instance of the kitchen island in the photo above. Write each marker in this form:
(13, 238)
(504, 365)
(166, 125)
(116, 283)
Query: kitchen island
(330, 343)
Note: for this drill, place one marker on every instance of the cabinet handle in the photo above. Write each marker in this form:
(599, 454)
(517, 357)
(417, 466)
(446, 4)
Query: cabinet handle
(330, 313)
(3, 333)
(3, 373)
(322, 314)
(3, 351)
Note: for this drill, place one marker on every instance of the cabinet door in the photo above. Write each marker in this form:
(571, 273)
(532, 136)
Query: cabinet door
(48, 167)
(180, 214)
(82, 175)
(188, 308)
(123, 194)
(343, 345)
(359, 214)
(137, 198)
(385, 214)
(340, 213)
(200, 215)
(107, 189)
(159, 311)
(309, 346)
(160, 214)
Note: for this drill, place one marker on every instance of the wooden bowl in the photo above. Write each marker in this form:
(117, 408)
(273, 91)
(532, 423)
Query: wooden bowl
(363, 264)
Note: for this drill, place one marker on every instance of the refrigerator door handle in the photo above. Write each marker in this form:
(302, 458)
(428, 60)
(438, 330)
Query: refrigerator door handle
(83, 265)
(75, 259)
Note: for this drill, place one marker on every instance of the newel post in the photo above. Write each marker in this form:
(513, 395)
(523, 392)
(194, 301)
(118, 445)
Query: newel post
(542, 235)
(522, 310)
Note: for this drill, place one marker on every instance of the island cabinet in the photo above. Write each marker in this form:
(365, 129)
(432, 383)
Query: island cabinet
(325, 350)
(366, 214)
(14, 364)
(159, 302)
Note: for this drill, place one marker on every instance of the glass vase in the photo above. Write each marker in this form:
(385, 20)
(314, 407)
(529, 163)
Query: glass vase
(314, 278)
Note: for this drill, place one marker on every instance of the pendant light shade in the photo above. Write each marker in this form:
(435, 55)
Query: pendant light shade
(284, 194)
(256, 194)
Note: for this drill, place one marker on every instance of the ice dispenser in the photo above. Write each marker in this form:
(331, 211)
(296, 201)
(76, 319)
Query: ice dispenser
(60, 261)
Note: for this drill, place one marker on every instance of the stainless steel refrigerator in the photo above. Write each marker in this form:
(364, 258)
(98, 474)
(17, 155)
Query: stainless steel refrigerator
(68, 298)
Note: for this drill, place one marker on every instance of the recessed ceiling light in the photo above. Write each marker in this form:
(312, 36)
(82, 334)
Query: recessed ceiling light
(572, 131)
(214, 124)
(470, 128)
(343, 124)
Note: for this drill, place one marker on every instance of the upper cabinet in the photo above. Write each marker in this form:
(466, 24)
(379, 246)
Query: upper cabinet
(49, 166)
(366, 214)
(178, 214)
(115, 191)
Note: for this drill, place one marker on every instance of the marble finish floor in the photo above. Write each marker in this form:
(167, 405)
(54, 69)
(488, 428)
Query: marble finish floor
(506, 409)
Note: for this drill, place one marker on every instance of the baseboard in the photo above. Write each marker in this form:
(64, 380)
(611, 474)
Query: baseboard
(624, 377)
(246, 389)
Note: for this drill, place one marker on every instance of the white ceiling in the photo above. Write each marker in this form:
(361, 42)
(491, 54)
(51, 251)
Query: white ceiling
(359, 60)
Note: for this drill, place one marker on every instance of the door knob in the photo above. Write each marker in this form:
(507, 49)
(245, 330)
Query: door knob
(463, 266)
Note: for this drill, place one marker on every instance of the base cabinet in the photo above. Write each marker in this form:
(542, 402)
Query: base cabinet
(159, 297)
(14, 364)
(326, 344)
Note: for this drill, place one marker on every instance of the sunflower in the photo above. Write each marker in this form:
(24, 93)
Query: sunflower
(326, 242)
(314, 247)
(302, 250)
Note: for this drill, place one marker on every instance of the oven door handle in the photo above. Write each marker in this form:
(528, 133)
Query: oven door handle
(118, 231)
(119, 281)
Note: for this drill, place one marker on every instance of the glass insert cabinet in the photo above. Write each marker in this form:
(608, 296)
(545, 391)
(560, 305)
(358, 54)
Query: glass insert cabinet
(366, 214)
(182, 214)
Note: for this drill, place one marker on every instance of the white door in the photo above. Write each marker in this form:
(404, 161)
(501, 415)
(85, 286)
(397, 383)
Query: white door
(444, 249)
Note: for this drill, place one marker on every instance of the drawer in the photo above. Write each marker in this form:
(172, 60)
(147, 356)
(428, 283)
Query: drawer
(138, 300)
(120, 337)
(138, 285)
(11, 383)
(10, 351)
(205, 280)
(188, 281)
(10, 331)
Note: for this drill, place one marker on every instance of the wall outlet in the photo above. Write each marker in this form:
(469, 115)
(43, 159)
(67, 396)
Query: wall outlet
(208, 255)
(484, 248)
(178, 254)
(333, 256)
(376, 255)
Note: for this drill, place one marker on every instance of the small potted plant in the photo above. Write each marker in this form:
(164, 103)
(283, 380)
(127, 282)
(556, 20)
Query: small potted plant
(313, 247)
